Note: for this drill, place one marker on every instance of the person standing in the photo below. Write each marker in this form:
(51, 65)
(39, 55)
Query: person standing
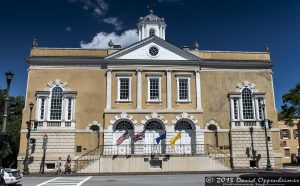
(58, 166)
(68, 165)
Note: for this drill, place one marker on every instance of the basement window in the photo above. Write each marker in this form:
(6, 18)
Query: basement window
(155, 164)
(50, 166)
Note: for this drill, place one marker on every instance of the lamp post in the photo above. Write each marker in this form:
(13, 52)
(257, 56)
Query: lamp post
(269, 167)
(26, 169)
(9, 76)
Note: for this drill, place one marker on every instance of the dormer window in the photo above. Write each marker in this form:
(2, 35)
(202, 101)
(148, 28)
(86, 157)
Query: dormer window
(152, 32)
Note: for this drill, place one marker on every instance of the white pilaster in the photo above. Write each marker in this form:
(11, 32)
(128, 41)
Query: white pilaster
(108, 90)
(169, 90)
(198, 90)
(139, 90)
(241, 111)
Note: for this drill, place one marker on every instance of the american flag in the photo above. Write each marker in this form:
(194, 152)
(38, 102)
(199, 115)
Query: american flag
(139, 136)
(123, 138)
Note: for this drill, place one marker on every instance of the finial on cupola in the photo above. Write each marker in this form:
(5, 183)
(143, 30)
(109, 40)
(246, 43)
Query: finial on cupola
(196, 45)
(110, 43)
(151, 12)
(34, 43)
(267, 48)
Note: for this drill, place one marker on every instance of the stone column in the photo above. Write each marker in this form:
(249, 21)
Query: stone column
(169, 90)
(198, 90)
(108, 90)
(139, 90)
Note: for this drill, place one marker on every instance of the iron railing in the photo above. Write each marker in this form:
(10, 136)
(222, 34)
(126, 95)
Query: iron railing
(218, 155)
(133, 150)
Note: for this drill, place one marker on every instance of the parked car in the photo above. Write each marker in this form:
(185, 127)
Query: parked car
(10, 176)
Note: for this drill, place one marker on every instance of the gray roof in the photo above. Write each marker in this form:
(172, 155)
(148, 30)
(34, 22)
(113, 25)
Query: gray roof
(151, 18)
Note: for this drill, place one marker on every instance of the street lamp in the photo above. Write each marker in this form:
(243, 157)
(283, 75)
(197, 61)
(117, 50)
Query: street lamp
(28, 123)
(9, 76)
(269, 167)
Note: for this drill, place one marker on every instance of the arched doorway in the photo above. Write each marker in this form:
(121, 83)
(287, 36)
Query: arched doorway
(187, 143)
(119, 129)
(153, 129)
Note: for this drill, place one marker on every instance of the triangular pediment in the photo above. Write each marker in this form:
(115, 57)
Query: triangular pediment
(152, 48)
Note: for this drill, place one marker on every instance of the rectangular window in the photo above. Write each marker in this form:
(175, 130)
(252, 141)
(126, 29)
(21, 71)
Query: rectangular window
(260, 111)
(235, 108)
(69, 113)
(285, 133)
(154, 88)
(183, 86)
(287, 153)
(155, 164)
(42, 109)
(124, 88)
(78, 148)
(295, 133)
(50, 166)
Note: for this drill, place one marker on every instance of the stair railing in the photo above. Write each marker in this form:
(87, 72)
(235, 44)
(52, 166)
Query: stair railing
(218, 155)
(87, 158)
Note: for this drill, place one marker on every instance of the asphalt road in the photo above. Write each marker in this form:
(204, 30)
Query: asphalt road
(124, 180)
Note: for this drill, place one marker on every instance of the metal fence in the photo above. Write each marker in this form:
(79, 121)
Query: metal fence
(131, 151)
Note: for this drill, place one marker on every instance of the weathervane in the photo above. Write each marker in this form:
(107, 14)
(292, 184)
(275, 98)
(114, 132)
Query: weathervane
(267, 48)
(34, 43)
(110, 43)
(196, 45)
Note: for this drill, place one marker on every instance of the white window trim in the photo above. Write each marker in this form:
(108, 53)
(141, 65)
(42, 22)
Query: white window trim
(39, 105)
(289, 132)
(66, 108)
(129, 97)
(253, 106)
(49, 105)
(189, 88)
(159, 88)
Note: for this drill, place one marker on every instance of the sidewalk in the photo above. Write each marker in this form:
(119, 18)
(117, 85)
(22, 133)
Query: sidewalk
(235, 171)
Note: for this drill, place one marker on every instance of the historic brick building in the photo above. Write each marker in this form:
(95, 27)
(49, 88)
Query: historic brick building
(212, 98)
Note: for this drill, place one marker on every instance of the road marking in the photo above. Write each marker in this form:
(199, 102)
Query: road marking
(48, 181)
(86, 179)
(66, 181)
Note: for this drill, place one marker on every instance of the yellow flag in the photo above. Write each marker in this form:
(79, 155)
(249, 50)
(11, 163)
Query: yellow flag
(176, 137)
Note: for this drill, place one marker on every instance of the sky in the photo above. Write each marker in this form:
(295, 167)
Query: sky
(222, 25)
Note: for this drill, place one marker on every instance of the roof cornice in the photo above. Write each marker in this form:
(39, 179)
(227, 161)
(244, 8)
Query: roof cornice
(221, 64)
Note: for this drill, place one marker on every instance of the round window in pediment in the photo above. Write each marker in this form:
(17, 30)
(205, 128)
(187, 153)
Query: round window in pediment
(153, 51)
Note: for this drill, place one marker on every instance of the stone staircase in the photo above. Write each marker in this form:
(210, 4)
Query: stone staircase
(212, 159)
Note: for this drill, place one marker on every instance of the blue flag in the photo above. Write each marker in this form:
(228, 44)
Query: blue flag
(162, 136)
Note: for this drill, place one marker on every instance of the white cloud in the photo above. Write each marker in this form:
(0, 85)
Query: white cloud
(114, 21)
(102, 38)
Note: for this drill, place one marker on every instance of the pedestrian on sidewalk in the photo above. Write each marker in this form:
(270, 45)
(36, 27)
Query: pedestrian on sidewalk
(68, 165)
(58, 166)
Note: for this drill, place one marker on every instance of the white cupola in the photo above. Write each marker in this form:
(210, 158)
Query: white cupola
(151, 25)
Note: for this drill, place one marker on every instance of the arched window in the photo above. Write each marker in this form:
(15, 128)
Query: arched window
(153, 125)
(123, 125)
(56, 103)
(152, 32)
(183, 125)
(247, 101)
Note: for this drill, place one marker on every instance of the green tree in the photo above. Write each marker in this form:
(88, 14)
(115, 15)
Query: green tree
(291, 109)
(14, 121)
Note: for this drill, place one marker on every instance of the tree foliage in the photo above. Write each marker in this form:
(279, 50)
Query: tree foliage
(291, 106)
(13, 127)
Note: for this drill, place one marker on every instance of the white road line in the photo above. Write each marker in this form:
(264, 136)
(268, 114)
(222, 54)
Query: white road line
(48, 181)
(86, 179)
